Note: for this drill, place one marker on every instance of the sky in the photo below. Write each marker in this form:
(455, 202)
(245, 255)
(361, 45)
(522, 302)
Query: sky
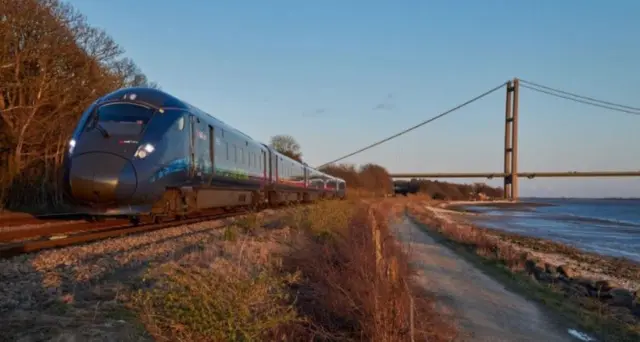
(339, 75)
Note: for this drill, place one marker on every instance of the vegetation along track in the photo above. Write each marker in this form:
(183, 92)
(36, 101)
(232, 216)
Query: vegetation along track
(104, 230)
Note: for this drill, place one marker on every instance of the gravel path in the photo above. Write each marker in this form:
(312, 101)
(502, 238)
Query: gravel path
(485, 310)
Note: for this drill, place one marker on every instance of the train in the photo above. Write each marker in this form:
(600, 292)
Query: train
(141, 152)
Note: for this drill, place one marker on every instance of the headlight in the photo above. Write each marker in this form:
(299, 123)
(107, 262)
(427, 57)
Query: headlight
(144, 150)
(72, 145)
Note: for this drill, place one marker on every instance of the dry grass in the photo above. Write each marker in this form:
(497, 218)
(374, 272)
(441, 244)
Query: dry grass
(355, 291)
(233, 289)
(301, 273)
(314, 274)
(215, 299)
(566, 294)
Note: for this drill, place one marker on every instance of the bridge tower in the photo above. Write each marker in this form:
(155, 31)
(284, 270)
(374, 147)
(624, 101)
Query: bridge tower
(511, 141)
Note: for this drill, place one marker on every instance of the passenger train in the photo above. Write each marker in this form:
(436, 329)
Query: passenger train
(140, 152)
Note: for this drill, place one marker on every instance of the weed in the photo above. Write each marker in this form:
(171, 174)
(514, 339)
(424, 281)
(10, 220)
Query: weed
(249, 223)
(197, 303)
(229, 234)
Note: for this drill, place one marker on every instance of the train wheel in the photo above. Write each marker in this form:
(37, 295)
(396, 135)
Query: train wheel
(134, 220)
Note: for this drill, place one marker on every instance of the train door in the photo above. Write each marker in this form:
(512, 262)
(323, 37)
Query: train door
(212, 143)
(265, 162)
(200, 152)
(192, 148)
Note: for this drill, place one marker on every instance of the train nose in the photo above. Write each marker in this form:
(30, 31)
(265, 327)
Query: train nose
(101, 178)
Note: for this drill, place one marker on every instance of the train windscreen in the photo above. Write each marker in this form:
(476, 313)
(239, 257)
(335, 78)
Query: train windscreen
(125, 113)
(124, 118)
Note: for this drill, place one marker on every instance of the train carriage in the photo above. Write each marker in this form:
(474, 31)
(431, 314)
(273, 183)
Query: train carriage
(140, 151)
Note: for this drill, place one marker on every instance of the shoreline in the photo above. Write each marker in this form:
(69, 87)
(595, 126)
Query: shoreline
(457, 208)
(540, 246)
(599, 292)
(461, 206)
(555, 251)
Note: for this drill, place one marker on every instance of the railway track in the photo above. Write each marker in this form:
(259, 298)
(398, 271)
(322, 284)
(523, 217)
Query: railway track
(15, 221)
(57, 236)
(12, 235)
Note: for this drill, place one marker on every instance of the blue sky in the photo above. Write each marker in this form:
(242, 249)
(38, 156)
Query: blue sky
(318, 69)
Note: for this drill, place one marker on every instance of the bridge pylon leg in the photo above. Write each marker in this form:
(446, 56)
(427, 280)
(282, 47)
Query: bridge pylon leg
(511, 141)
(507, 142)
(515, 182)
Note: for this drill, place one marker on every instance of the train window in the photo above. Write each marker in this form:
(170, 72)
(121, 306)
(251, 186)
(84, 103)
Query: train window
(181, 123)
(223, 135)
(241, 155)
(125, 112)
(249, 159)
(235, 153)
(226, 143)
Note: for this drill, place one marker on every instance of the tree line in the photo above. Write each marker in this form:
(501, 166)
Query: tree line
(376, 179)
(53, 64)
(448, 191)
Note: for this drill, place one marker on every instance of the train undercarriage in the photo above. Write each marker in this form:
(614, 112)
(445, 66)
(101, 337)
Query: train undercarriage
(178, 203)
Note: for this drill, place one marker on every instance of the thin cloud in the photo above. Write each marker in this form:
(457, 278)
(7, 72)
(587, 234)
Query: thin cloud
(316, 112)
(386, 104)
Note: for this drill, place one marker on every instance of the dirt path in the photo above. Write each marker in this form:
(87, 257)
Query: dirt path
(485, 310)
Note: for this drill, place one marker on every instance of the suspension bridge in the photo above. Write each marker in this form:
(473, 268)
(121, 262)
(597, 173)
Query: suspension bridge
(511, 172)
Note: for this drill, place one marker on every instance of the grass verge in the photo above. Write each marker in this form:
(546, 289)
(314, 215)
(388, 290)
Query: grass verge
(326, 272)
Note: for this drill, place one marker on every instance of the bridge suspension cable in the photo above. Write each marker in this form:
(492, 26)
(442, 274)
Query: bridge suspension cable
(418, 125)
(580, 98)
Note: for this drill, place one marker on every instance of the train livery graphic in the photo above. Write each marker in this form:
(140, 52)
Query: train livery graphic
(142, 152)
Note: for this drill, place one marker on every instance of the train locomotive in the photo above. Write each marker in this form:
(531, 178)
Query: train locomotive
(140, 152)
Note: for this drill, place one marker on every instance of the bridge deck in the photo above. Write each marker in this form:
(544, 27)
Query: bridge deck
(520, 174)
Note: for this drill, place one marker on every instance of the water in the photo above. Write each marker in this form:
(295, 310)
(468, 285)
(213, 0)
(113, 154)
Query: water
(605, 226)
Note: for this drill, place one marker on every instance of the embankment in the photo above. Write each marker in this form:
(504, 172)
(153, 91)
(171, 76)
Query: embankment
(598, 293)
(323, 272)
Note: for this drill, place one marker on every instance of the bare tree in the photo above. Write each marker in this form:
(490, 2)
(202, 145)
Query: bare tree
(287, 145)
(345, 171)
(375, 178)
(52, 66)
